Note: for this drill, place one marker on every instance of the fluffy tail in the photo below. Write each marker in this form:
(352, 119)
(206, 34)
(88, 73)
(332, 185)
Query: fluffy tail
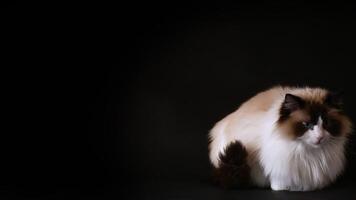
(233, 170)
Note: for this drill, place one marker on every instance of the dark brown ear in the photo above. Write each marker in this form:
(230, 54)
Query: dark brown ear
(291, 103)
(334, 99)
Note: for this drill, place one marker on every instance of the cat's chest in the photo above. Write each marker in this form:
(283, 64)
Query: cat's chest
(306, 166)
(286, 157)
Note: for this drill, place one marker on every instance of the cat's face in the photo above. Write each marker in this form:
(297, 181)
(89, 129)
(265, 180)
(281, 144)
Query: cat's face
(314, 123)
(315, 133)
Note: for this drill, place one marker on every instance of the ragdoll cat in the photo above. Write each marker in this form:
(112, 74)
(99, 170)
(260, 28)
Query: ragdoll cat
(286, 138)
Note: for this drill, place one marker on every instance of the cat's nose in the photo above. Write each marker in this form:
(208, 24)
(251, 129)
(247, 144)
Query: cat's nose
(319, 139)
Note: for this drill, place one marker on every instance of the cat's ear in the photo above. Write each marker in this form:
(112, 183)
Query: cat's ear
(291, 103)
(334, 99)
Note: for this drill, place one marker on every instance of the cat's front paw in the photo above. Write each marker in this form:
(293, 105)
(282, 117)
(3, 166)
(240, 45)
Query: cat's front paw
(294, 188)
(279, 187)
(300, 188)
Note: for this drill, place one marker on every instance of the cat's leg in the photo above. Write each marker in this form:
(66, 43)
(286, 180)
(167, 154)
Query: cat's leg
(233, 170)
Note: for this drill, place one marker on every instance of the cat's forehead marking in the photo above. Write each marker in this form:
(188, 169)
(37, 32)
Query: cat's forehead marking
(314, 111)
(300, 115)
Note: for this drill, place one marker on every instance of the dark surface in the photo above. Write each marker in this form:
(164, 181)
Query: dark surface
(116, 100)
(188, 189)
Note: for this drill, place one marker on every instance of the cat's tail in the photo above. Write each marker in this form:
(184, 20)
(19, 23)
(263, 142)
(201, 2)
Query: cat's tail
(233, 170)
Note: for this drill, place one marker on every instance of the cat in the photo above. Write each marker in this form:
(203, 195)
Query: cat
(285, 138)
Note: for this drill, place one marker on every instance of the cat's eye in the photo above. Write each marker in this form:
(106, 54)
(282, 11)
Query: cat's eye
(325, 121)
(308, 125)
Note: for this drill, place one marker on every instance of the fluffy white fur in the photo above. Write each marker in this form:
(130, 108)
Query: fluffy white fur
(275, 160)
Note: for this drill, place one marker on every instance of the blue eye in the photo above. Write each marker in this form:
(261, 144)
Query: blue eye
(308, 125)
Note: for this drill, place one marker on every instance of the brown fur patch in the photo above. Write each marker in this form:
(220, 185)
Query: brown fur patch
(233, 170)
(291, 126)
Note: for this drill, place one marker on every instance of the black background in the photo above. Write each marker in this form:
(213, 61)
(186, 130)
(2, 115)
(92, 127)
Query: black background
(117, 99)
